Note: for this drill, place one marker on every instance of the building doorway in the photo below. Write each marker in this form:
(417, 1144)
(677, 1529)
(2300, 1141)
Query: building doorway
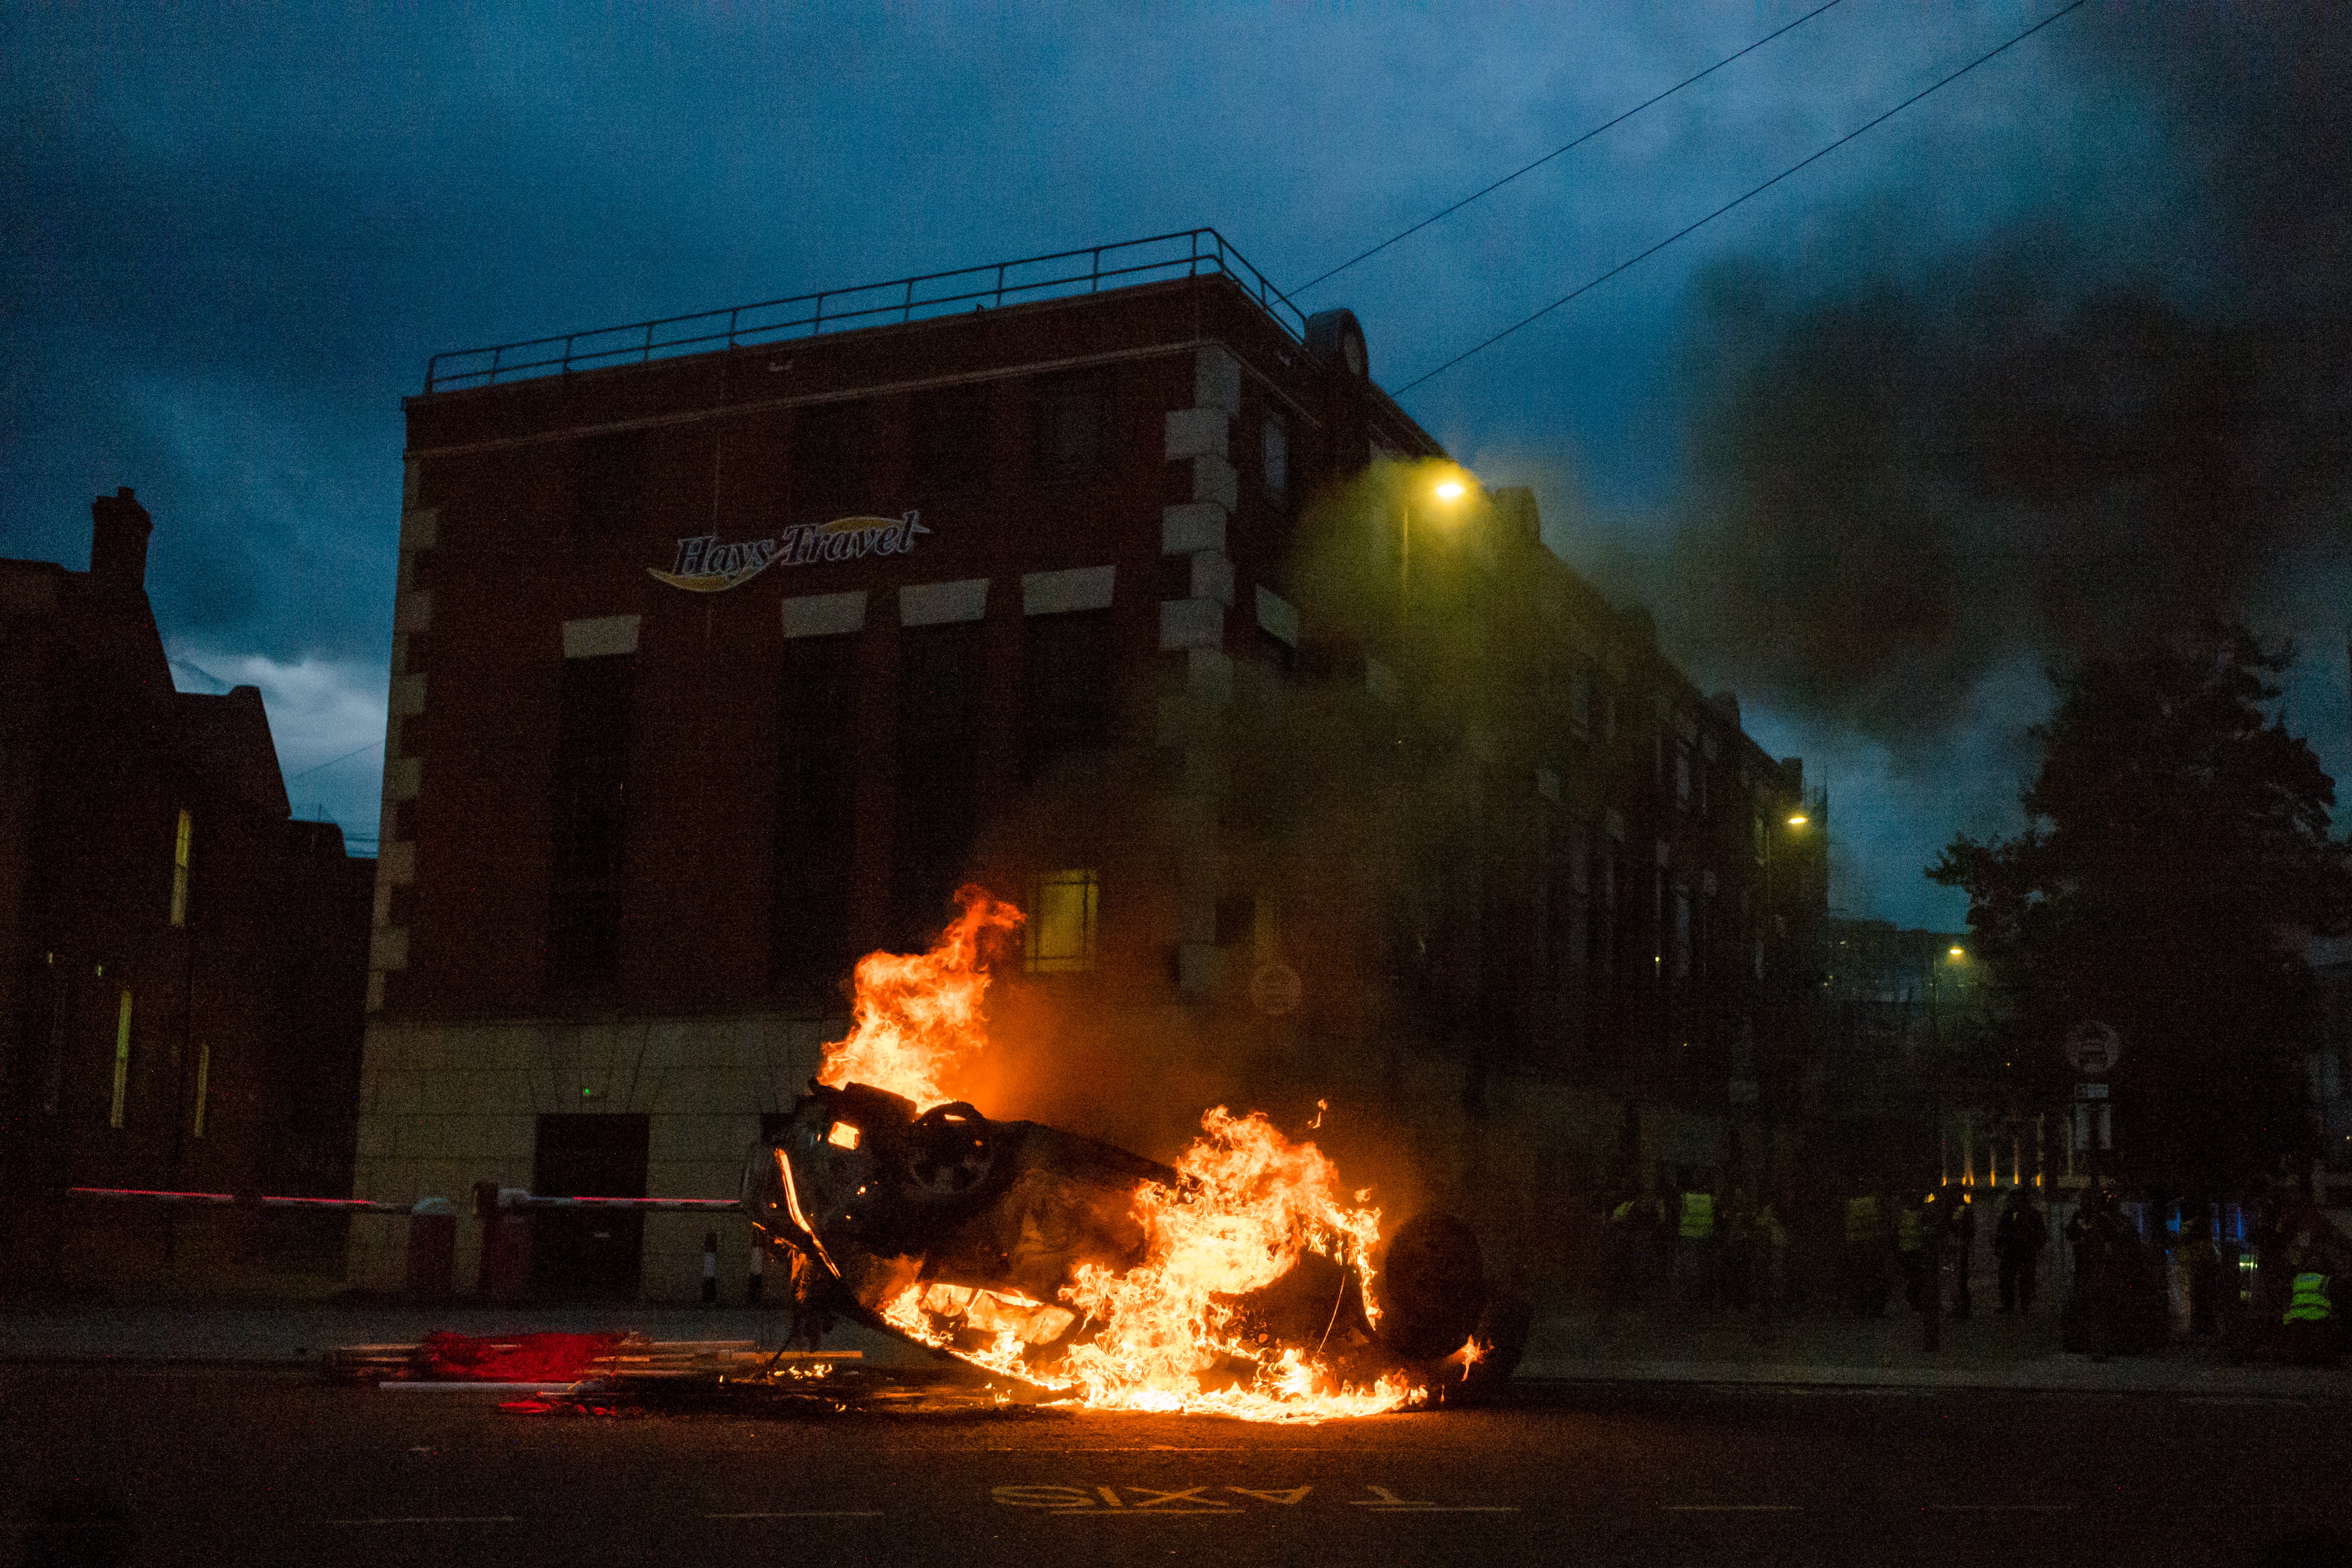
(595, 1254)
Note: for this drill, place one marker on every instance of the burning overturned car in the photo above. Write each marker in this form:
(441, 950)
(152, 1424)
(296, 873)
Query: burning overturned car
(1239, 1280)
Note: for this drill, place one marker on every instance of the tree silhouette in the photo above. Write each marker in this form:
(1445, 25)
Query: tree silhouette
(2176, 857)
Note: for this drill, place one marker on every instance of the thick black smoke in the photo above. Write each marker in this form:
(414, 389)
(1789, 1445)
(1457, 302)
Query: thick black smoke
(2032, 451)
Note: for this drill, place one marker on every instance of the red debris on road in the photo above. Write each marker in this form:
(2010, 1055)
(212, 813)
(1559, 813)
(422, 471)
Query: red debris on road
(546, 1357)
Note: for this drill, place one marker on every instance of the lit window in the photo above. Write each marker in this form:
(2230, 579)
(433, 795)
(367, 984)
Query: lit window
(1265, 931)
(122, 1060)
(180, 873)
(1061, 923)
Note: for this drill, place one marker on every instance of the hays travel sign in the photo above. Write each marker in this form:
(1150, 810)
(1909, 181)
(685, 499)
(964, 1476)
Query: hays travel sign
(706, 566)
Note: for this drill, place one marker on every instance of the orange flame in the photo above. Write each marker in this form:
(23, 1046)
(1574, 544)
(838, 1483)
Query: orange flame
(1260, 1201)
(917, 1015)
(1166, 1335)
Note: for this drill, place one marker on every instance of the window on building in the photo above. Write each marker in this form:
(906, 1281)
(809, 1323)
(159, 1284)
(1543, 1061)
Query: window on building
(121, 1061)
(1602, 965)
(1060, 931)
(204, 1087)
(1575, 938)
(832, 470)
(1235, 913)
(1682, 775)
(816, 815)
(949, 440)
(938, 755)
(1265, 931)
(1715, 961)
(179, 872)
(1277, 658)
(1274, 459)
(1682, 937)
(591, 820)
(1077, 433)
(1660, 911)
(1580, 700)
(611, 500)
(1559, 944)
(1067, 687)
(60, 1010)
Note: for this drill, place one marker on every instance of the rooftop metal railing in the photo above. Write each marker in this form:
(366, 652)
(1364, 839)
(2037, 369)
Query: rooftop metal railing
(1190, 252)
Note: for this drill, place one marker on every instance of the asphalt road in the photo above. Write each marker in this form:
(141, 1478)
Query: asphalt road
(239, 1466)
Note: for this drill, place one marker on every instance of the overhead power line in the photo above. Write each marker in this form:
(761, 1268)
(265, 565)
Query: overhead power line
(331, 762)
(1556, 151)
(1702, 223)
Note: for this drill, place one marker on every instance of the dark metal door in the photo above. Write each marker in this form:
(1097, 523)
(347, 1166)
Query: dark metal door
(589, 1253)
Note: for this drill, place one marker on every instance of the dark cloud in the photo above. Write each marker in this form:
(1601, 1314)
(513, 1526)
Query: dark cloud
(1907, 476)
(235, 236)
(1896, 492)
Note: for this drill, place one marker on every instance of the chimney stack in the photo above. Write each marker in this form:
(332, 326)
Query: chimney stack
(119, 527)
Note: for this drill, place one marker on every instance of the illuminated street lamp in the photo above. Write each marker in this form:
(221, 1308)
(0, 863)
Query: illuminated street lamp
(1798, 819)
(1449, 490)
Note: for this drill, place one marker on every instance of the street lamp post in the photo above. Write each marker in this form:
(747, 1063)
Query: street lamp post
(1448, 490)
(1791, 995)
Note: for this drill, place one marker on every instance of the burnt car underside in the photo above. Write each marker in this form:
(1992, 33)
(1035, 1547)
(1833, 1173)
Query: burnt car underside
(989, 1222)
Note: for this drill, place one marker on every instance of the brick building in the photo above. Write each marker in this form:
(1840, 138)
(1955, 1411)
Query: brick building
(181, 963)
(727, 647)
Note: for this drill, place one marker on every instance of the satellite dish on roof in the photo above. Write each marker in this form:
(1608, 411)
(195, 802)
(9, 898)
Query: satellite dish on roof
(1337, 339)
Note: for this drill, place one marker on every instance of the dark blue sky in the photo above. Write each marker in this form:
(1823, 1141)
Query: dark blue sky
(235, 234)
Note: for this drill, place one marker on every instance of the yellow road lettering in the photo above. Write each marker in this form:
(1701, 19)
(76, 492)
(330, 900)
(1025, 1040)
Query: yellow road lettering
(1190, 1495)
(1043, 1496)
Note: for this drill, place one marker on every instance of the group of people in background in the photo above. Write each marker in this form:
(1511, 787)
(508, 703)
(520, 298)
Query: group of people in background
(1703, 1248)
(1730, 1251)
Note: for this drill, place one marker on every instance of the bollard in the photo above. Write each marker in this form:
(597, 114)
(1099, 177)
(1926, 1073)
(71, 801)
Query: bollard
(432, 1249)
(505, 1273)
(709, 1267)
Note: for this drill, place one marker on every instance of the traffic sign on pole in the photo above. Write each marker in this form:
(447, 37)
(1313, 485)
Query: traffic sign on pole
(2092, 1048)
